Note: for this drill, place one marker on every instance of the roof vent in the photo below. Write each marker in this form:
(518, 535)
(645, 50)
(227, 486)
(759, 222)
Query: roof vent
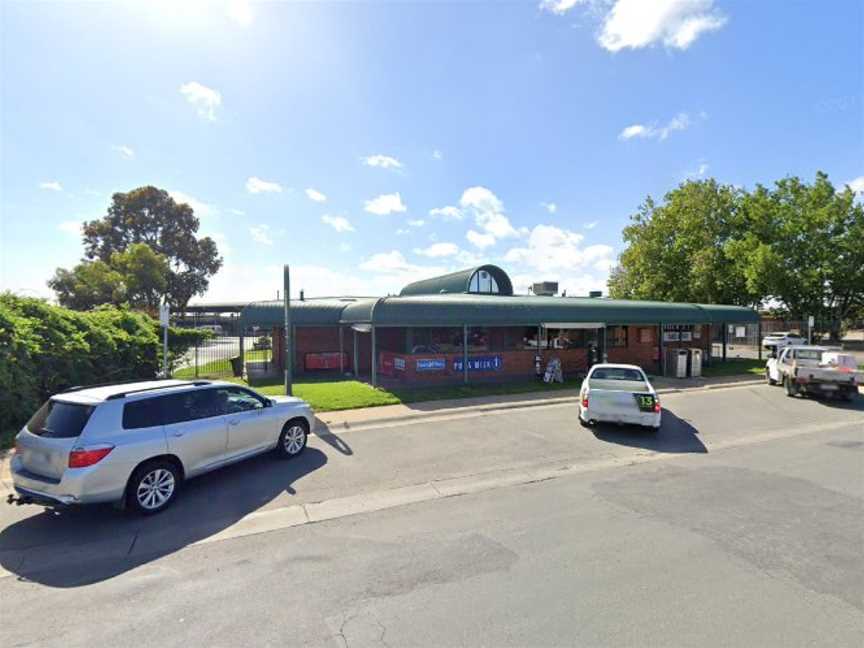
(545, 288)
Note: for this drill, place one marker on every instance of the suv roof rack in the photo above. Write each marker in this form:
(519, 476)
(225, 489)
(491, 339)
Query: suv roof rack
(76, 388)
(188, 383)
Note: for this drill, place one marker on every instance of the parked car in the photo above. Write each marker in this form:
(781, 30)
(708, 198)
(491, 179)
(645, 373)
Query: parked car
(134, 444)
(618, 393)
(813, 370)
(781, 339)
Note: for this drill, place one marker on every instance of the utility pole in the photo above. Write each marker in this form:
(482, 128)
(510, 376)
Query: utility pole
(164, 322)
(288, 346)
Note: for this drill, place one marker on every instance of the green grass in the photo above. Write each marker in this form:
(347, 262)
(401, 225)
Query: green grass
(332, 395)
(734, 368)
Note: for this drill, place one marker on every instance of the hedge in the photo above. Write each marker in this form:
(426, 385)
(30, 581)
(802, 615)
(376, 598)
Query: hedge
(45, 349)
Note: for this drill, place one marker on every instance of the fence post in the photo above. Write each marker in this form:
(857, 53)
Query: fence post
(465, 353)
(759, 337)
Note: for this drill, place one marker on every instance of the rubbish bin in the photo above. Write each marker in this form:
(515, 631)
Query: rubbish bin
(237, 367)
(694, 362)
(676, 363)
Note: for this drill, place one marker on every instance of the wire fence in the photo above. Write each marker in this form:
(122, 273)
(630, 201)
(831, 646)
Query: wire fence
(219, 356)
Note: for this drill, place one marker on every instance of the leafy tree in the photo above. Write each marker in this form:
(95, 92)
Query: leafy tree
(145, 275)
(137, 276)
(87, 285)
(796, 246)
(149, 215)
(676, 250)
(804, 248)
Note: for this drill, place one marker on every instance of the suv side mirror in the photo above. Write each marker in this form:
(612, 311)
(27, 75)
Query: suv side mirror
(269, 402)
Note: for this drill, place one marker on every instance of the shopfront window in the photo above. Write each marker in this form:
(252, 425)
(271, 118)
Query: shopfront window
(478, 338)
(437, 340)
(616, 336)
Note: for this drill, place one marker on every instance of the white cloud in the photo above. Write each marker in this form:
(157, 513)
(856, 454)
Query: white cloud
(237, 212)
(438, 250)
(338, 223)
(70, 227)
(51, 185)
(240, 11)
(261, 234)
(201, 209)
(679, 122)
(385, 204)
(857, 185)
(447, 213)
(551, 248)
(559, 7)
(699, 172)
(479, 240)
(591, 225)
(383, 161)
(257, 185)
(675, 23)
(125, 151)
(344, 247)
(488, 211)
(550, 207)
(206, 100)
(416, 222)
(315, 195)
(437, 155)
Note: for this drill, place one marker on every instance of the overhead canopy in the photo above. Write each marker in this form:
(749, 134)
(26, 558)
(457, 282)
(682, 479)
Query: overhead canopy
(492, 310)
(487, 279)
(310, 312)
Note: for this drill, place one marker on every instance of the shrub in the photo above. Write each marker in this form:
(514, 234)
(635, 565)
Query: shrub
(45, 349)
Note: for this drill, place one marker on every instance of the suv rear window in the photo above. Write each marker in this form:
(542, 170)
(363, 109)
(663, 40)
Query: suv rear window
(142, 414)
(59, 420)
(617, 374)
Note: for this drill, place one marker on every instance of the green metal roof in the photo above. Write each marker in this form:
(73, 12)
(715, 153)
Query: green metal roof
(310, 312)
(496, 310)
(457, 282)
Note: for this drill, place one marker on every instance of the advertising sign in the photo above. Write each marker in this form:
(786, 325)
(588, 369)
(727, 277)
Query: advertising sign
(480, 363)
(431, 364)
(399, 364)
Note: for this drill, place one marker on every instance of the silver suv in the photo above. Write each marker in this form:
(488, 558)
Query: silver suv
(133, 444)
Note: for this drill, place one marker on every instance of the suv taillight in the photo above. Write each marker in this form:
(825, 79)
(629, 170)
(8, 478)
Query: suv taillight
(657, 407)
(87, 456)
(584, 401)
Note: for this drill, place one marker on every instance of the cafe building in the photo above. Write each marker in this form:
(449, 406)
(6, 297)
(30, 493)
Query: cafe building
(470, 326)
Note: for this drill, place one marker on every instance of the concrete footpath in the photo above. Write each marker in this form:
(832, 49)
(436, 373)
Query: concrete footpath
(367, 416)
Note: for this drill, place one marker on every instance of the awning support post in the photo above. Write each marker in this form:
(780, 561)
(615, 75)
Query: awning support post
(356, 355)
(288, 346)
(465, 353)
(725, 333)
(374, 363)
(341, 353)
(662, 360)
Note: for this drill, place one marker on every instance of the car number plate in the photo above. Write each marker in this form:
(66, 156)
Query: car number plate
(829, 387)
(645, 402)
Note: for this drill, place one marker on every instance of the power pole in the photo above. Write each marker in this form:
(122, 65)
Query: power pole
(288, 337)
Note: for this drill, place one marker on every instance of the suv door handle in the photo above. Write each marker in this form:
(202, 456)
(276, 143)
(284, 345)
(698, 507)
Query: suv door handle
(234, 422)
(177, 434)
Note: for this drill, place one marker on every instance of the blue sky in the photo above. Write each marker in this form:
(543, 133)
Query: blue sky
(369, 145)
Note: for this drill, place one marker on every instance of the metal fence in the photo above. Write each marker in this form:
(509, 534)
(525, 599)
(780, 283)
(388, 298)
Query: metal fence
(219, 355)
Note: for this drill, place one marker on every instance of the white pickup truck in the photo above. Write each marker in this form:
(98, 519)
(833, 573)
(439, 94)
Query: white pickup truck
(814, 370)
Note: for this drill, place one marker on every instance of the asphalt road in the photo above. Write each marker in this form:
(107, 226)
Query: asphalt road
(740, 523)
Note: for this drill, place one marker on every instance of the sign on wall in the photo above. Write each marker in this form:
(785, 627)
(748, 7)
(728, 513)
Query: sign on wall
(399, 364)
(480, 363)
(431, 364)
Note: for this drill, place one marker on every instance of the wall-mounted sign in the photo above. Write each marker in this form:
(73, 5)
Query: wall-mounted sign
(399, 364)
(686, 336)
(480, 363)
(671, 336)
(431, 364)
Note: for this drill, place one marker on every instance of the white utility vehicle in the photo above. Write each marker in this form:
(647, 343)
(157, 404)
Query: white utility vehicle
(782, 339)
(814, 370)
(618, 393)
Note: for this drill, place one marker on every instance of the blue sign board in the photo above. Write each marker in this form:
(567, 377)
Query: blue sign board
(431, 364)
(480, 363)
